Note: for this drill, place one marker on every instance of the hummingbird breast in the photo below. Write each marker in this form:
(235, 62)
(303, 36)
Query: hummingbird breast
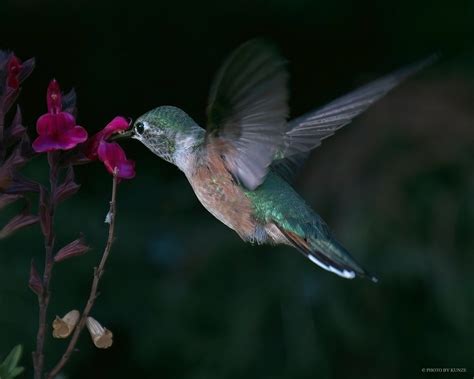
(221, 195)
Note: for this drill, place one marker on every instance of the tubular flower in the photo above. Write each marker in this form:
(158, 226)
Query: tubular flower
(57, 130)
(14, 68)
(64, 326)
(102, 337)
(110, 153)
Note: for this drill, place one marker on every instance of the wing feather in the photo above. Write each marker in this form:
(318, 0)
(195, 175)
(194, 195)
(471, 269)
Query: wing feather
(247, 111)
(306, 132)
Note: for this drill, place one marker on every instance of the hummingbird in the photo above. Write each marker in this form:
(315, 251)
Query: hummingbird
(242, 165)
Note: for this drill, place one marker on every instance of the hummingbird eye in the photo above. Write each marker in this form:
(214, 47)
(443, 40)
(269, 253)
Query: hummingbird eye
(139, 127)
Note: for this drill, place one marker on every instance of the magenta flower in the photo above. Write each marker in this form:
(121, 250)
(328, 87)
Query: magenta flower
(110, 153)
(57, 129)
(14, 69)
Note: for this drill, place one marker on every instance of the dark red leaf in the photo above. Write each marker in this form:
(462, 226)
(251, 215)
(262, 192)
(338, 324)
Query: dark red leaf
(35, 283)
(16, 159)
(73, 158)
(16, 130)
(18, 117)
(20, 221)
(69, 102)
(5, 178)
(6, 199)
(4, 60)
(25, 146)
(18, 184)
(10, 97)
(13, 134)
(20, 155)
(67, 188)
(73, 249)
(26, 68)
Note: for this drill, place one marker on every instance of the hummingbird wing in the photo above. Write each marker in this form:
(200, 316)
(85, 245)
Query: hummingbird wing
(247, 111)
(306, 132)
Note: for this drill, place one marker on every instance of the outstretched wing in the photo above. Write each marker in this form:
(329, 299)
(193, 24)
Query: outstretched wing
(305, 133)
(247, 111)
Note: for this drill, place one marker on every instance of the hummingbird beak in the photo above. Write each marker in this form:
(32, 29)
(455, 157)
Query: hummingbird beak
(121, 135)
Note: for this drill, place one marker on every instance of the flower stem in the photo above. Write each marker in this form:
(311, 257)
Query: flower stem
(44, 297)
(98, 272)
(2, 127)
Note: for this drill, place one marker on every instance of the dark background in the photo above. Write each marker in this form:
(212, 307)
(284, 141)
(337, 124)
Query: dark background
(183, 295)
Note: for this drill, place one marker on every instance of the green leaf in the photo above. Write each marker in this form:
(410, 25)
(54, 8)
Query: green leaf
(9, 367)
(3, 372)
(15, 372)
(12, 359)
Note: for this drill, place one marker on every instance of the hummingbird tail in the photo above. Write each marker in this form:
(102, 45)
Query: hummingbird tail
(329, 255)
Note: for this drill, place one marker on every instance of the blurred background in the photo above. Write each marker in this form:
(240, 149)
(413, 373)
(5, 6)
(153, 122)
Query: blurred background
(183, 295)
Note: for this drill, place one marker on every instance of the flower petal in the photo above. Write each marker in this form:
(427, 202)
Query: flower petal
(66, 141)
(126, 169)
(43, 124)
(92, 145)
(117, 124)
(53, 97)
(55, 123)
(58, 132)
(44, 143)
(73, 137)
(14, 68)
(114, 157)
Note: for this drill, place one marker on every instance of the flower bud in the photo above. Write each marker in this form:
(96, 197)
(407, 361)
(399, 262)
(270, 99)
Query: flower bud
(102, 337)
(63, 327)
(14, 68)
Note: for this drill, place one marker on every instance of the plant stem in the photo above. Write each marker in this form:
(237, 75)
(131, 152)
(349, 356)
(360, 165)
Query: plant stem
(2, 127)
(44, 297)
(98, 272)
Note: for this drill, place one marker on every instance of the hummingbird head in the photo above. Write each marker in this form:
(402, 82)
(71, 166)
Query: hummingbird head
(168, 132)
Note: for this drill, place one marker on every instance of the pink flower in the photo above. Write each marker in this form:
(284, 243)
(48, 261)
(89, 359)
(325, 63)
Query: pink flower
(57, 130)
(14, 68)
(110, 153)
